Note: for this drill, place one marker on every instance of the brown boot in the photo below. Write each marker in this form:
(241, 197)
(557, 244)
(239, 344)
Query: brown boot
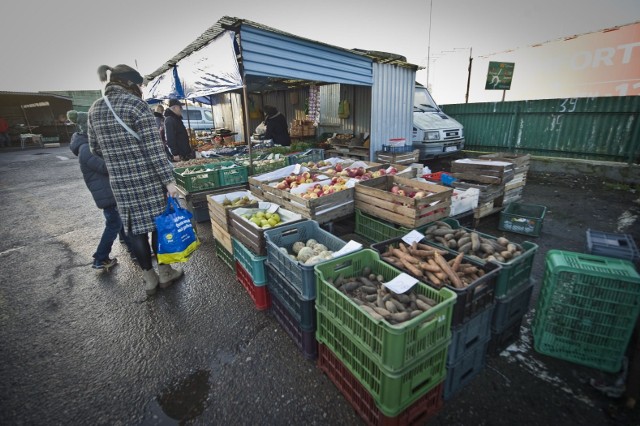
(150, 281)
(168, 275)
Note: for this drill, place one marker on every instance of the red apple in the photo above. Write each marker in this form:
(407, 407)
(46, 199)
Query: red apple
(338, 167)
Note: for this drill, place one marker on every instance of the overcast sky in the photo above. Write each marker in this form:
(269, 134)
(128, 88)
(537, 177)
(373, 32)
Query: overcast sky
(58, 45)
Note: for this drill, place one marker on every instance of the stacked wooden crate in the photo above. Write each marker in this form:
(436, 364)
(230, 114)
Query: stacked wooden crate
(512, 189)
(488, 176)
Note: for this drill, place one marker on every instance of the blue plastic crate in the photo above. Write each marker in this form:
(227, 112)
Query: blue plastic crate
(252, 263)
(302, 311)
(302, 277)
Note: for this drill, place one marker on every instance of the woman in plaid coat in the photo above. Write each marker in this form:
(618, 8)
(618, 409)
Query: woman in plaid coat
(139, 172)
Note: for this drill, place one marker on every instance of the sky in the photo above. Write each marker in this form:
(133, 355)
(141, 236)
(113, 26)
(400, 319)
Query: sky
(59, 45)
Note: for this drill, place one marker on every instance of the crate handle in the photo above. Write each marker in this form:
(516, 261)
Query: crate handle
(289, 232)
(343, 265)
(426, 382)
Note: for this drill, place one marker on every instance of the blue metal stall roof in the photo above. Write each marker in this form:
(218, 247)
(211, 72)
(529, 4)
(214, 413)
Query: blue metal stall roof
(273, 54)
(302, 59)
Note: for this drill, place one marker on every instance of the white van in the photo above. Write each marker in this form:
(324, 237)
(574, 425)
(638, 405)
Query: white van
(435, 134)
(198, 118)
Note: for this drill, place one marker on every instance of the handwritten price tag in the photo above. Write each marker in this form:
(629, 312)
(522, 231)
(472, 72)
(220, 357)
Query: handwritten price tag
(401, 283)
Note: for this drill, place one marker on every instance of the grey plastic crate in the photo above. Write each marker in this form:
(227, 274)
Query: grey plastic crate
(465, 369)
(510, 308)
(621, 246)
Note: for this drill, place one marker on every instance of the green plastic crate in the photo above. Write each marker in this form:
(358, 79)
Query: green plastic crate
(392, 346)
(225, 256)
(522, 218)
(378, 230)
(393, 392)
(514, 274)
(587, 309)
(211, 176)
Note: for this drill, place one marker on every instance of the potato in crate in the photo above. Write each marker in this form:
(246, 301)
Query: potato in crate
(344, 286)
(473, 282)
(515, 259)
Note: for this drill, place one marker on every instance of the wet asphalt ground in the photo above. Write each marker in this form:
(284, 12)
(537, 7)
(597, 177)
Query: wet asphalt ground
(85, 347)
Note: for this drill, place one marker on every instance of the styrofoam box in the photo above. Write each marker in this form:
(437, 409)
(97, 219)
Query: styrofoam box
(463, 201)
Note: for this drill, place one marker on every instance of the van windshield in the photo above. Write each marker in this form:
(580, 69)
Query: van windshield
(423, 99)
(207, 115)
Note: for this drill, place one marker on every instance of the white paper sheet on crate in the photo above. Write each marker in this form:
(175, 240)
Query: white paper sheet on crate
(280, 173)
(401, 283)
(413, 236)
(350, 247)
(219, 198)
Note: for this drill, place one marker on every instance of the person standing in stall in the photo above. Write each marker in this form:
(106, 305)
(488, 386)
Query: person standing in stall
(277, 128)
(176, 133)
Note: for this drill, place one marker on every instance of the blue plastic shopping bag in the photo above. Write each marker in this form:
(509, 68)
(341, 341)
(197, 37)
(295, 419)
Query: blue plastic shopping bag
(176, 237)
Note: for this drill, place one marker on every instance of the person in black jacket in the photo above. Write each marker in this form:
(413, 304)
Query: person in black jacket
(277, 128)
(96, 177)
(175, 132)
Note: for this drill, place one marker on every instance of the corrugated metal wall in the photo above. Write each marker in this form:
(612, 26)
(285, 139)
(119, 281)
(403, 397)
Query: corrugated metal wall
(606, 128)
(391, 104)
(359, 98)
(271, 54)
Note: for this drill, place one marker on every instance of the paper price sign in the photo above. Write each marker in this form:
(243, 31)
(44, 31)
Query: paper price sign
(413, 236)
(274, 208)
(401, 283)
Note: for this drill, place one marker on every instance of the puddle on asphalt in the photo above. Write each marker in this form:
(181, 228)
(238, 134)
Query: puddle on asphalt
(181, 402)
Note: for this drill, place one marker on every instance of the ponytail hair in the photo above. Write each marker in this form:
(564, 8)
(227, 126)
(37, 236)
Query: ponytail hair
(102, 72)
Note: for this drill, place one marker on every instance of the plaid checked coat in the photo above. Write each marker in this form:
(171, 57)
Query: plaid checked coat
(138, 170)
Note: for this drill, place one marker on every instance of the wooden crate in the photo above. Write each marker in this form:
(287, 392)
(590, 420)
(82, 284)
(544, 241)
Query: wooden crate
(222, 236)
(219, 213)
(250, 235)
(520, 161)
(482, 170)
(322, 209)
(488, 192)
(375, 198)
(398, 157)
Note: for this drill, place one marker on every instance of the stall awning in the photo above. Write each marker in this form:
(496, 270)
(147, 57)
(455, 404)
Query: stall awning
(273, 54)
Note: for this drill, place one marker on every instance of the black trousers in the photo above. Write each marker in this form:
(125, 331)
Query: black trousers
(141, 249)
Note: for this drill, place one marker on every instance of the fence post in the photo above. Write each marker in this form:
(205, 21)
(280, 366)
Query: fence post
(634, 149)
(513, 127)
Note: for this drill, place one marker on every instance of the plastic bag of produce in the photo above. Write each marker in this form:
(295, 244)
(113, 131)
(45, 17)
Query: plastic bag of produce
(177, 238)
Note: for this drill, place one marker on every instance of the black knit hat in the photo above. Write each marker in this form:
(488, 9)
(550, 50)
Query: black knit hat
(122, 72)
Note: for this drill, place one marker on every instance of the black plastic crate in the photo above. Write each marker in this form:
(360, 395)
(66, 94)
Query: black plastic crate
(504, 339)
(470, 300)
(465, 369)
(511, 308)
(473, 333)
(304, 340)
(301, 310)
(621, 246)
